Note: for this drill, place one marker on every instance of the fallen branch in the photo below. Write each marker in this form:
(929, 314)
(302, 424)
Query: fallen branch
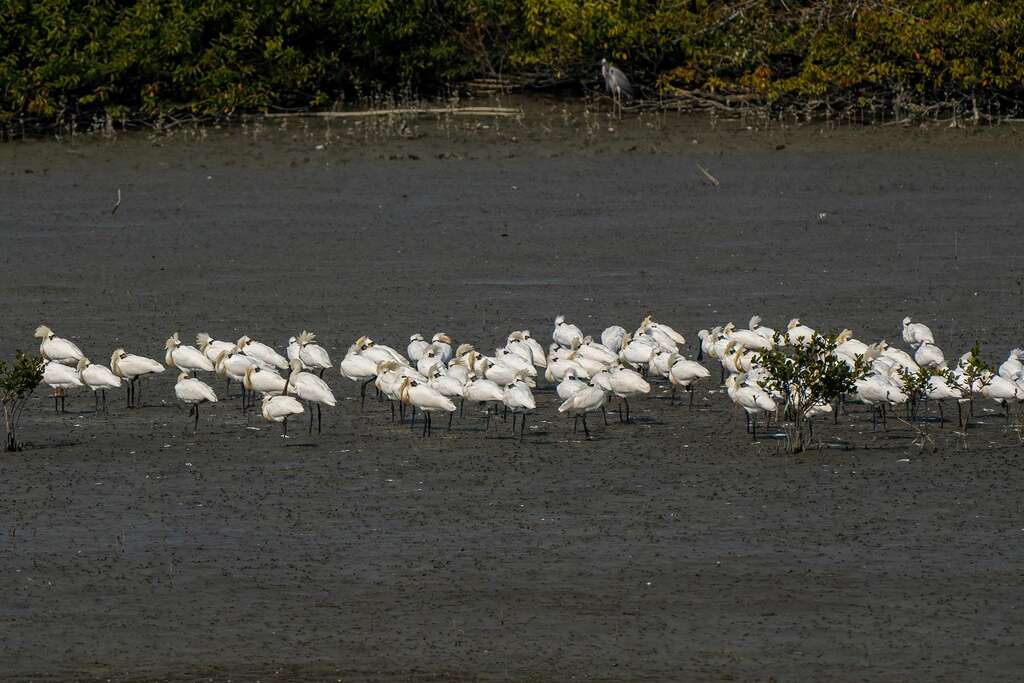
(463, 111)
(117, 203)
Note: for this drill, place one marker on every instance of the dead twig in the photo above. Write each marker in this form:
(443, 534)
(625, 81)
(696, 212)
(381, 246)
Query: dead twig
(707, 174)
(117, 203)
(413, 111)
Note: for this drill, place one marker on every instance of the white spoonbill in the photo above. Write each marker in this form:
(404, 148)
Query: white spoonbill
(569, 385)
(916, 333)
(1002, 391)
(625, 383)
(1013, 367)
(519, 399)
(193, 392)
(590, 399)
(185, 358)
(929, 355)
(757, 328)
(279, 408)
(797, 333)
(536, 350)
(358, 368)
(483, 391)
(211, 347)
(417, 347)
(99, 378)
(309, 387)
(939, 390)
(753, 400)
(443, 343)
(427, 399)
(232, 366)
(684, 373)
(611, 337)
(264, 381)
(60, 378)
(52, 347)
(261, 352)
(313, 356)
(565, 333)
(132, 368)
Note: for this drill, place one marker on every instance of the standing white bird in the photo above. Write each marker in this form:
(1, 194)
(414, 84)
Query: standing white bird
(590, 399)
(261, 352)
(427, 399)
(313, 356)
(484, 392)
(566, 334)
(939, 390)
(625, 383)
(916, 333)
(1013, 367)
(279, 408)
(612, 338)
(519, 399)
(753, 400)
(52, 347)
(569, 385)
(309, 387)
(60, 378)
(264, 381)
(99, 378)
(1002, 391)
(757, 328)
(684, 373)
(193, 392)
(185, 358)
(358, 368)
(231, 366)
(448, 386)
(443, 343)
(132, 368)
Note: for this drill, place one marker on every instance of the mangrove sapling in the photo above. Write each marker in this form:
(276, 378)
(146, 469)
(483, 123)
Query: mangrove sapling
(807, 376)
(17, 382)
(977, 374)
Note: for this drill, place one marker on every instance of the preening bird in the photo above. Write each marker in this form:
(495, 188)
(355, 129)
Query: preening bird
(52, 347)
(754, 400)
(427, 399)
(279, 409)
(311, 388)
(261, 352)
(313, 356)
(916, 333)
(589, 399)
(212, 348)
(683, 373)
(193, 392)
(519, 400)
(417, 347)
(185, 358)
(566, 334)
(60, 378)
(264, 381)
(99, 378)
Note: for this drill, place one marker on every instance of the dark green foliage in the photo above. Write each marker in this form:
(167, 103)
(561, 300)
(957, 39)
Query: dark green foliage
(74, 60)
(807, 376)
(17, 382)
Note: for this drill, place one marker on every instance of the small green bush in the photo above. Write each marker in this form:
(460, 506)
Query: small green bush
(17, 383)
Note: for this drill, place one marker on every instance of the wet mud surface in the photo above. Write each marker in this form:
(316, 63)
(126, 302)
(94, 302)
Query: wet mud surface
(671, 548)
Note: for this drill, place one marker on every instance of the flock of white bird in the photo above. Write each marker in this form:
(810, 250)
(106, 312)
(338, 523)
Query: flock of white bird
(586, 372)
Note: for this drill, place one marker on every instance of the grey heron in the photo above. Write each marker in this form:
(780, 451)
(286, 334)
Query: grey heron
(616, 82)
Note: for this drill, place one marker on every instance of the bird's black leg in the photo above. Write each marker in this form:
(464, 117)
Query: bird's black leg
(575, 423)
(362, 393)
(514, 418)
(309, 409)
(942, 418)
(195, 427)
(690, 390)
(319, 417)
(450, 416)
(604, 414)
(586, 430)
(413, 422)
(626, 400)
(522, 426)
(392, 410)
(284, 426)
(754, 422)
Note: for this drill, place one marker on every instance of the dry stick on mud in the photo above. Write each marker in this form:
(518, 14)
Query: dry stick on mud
(707, 174)
(117, 204)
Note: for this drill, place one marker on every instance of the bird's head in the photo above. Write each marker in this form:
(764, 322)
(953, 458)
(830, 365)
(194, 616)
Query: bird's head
(83, 363)
(43, 332)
